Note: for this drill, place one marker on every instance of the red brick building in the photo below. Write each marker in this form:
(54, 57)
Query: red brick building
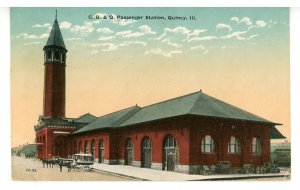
(181, 134)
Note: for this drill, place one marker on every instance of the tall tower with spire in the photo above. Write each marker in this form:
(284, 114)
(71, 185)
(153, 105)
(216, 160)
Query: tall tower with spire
(55, 75)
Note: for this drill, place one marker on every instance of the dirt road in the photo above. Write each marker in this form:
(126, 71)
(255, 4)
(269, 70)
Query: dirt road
(32, 170)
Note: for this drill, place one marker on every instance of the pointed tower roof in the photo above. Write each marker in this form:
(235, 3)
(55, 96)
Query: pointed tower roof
(55, 37)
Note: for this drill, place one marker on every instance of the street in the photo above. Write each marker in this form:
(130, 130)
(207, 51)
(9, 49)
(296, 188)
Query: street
(32, 170)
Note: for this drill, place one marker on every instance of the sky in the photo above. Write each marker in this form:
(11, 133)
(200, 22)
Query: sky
(238, 55)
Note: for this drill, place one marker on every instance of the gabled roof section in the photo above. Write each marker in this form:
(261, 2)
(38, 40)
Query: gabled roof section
(209, 106)
(111, 120)
(196, 103)
(55, 37)
(86, 118)
(169, 108)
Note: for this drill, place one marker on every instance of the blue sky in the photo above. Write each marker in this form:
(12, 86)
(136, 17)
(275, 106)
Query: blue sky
(215, 29)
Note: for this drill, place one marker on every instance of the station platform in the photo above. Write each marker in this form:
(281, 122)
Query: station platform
(146, 174)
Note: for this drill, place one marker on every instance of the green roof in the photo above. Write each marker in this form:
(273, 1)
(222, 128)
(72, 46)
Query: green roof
(275, 134)
(55, 37)
(110, 120)
(197, 103)
(86, 118)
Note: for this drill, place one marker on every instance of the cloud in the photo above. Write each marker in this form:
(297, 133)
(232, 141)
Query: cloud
(223, 26)
(167, 40)
(246, 20)
(124, 44)
(46, 25)
(105, 46)
(203, 38)
(252, 36)
(111, 46)
(87, 27)
(159, 51)
(105, 30)
(124, 22)
(144, 29)
(178, 30)
(27, 36)
(236, 34)
(106, 38)
(72, 39)
(260, 23)
(32, 43)
(65, 25)
(235, 19)
(198, 47)
(194, 33)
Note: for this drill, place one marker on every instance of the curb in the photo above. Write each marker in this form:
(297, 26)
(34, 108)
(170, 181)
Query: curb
(120, 175)
(239, 178)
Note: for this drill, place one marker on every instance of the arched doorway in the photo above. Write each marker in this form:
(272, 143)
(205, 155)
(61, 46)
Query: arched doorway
(170, 153)
(129, 152)
(59, 144)
(101, 151)
(146, 153)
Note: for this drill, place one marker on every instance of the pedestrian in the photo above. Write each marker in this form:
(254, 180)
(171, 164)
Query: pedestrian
(69, 166)
(60, 166)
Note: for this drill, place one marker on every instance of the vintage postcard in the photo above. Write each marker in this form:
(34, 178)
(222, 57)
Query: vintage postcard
(150, 94)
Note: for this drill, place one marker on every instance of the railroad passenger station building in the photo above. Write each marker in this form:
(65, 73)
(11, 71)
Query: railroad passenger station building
(180, 134)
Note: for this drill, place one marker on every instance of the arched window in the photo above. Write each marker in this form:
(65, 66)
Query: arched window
(63, 58)
(256, 146)
(49, 55)
(86, 147)
(80, 147)
(234, 145)
(129, 144)
(147, 143)
(56, 55)
(93, 147)
(207, 144)
(170, 142)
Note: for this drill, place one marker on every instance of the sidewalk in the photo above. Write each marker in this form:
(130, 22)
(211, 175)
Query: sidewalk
(159, 175)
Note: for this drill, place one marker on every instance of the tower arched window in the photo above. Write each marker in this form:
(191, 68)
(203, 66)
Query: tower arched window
(56, 55)
(256, 146)
(207, 144)
(234, 145)
(63, 58)
(49, 55)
